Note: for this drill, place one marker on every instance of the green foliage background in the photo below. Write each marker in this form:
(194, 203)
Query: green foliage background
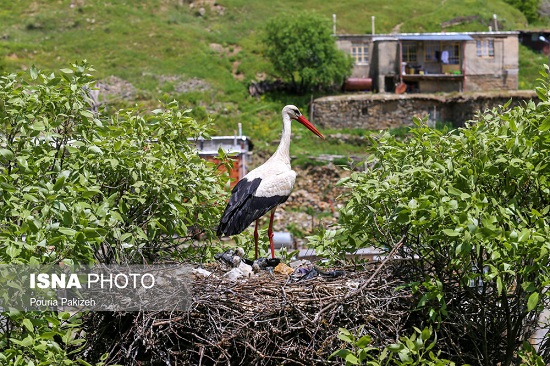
(78, 186)
(530, 8)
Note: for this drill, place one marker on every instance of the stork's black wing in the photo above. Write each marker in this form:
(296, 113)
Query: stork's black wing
(244, 207)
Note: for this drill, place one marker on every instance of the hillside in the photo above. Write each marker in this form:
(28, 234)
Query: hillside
(205, 53)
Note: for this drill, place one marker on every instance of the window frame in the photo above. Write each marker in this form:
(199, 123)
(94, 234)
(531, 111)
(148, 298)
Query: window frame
(485, 48)
(360, 53)
(409, 52)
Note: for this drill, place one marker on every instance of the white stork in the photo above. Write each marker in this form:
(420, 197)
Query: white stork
(265, 187)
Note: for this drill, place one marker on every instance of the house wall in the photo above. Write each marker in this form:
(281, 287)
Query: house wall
(492, 73)
(345, 44)
(435, 85)
(385, 64)
(383, 111)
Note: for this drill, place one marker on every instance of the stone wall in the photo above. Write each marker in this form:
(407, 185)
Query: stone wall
(382, 111)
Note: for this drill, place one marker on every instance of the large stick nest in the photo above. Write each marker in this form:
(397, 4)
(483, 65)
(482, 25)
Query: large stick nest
(269, 319)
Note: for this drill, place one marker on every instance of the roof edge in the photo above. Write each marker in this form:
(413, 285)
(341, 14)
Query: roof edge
(397, 35)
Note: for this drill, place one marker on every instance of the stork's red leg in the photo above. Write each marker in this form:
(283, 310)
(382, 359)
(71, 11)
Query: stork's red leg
(256, 237)
(270, 232)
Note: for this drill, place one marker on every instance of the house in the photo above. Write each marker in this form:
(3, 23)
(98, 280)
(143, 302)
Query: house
(238, 146)
(434, 62)
(536, 40)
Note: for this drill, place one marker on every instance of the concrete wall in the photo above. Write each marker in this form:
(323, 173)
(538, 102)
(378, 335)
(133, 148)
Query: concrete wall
(345, 44)
(385, 64)
(382, 111)
(492, 73)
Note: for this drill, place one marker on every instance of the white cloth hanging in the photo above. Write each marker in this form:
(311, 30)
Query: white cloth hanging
(445, 57)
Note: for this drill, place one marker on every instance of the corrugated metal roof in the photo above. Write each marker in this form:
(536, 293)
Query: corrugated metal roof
(434, 37)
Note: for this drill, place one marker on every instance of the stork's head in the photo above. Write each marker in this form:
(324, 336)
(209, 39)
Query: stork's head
(294, 113)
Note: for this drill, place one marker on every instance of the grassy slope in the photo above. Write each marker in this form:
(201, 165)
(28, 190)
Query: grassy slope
(141, 41)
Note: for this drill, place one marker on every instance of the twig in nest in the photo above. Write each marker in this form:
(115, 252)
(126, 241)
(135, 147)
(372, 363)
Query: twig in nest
(332, 305)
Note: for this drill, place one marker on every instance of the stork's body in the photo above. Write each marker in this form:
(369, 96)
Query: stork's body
(265, 187)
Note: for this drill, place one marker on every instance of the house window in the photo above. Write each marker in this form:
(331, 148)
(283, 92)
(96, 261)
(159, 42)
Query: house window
(453, 53)
(445, 52)
(360, 53)
(485, 48)
(432, 51)
(409, 52)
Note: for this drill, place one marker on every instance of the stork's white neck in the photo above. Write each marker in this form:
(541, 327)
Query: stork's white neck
(283, 151)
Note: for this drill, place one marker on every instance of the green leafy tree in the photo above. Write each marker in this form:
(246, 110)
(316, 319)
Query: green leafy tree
(304, 54)
(529, 8)
(81, 187)
(472, 208)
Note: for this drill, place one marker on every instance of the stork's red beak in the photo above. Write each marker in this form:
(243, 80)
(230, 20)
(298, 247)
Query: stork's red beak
(310, 126)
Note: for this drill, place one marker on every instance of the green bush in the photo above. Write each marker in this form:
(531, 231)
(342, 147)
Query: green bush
(77, 185)
(418, 349)
(80, 187)
(471, 207)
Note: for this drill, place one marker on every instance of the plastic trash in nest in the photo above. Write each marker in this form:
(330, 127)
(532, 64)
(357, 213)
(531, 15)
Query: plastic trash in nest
(231, 257)
(243, 270)
(265, 264)
(201, 272)
(310, 272)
